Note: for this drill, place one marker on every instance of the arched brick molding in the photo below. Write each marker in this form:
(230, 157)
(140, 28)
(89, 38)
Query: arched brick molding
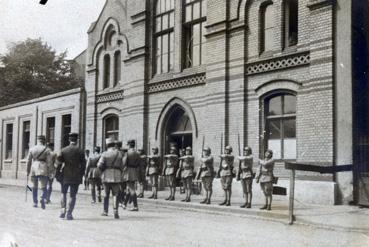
(279, 84)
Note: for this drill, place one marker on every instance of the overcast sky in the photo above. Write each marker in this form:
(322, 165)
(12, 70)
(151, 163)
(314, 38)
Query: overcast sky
(63, 24)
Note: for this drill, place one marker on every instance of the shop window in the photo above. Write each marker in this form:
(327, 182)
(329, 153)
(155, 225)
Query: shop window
(164, 36)
(26, 138)
(193, 32)
(280, 125)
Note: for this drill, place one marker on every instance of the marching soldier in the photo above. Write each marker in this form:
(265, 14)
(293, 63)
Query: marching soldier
(38, 166)
(185, 172)
(52, 170)
(123, 185)
(93, 174)
(225, 173)
(72, 172)
(206, 173)
(266, 177)
(246, 175)
(170, 166)
(111, 166)
(153, 171)
(131, 163)
(141, 172)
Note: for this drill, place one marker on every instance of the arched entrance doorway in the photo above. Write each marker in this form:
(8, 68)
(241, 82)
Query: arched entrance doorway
(177, 130)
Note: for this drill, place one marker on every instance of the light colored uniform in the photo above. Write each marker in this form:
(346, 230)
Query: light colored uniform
(207, 172)
(39, 162)
(187, 170)
(171, 166)
(226, 174)
(153, 169)
(246, 172)
(266, 178)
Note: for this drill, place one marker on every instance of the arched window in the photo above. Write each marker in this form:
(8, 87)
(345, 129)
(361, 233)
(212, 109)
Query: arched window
(106, 71)
(111, 126)
(164, 36)
(193, 32)
(117, 67)
(290, 13)
(280, 125)
(267, 26)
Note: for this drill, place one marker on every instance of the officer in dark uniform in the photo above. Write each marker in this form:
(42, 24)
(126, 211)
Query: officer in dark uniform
(93, 174)
(266, 177)
(185, 171)
(131, 163)
(39, 160)
(111, 165)
(169, 171)
(246, 175)
(226, 174)
(206, 173)
(72, 164)
(141, 173)
(153, 171)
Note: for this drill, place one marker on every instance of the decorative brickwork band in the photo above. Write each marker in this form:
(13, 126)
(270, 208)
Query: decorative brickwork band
(279, 63)
(177, 83)
(111, 96)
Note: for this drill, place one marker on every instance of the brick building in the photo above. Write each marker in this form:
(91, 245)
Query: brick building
(277, 74)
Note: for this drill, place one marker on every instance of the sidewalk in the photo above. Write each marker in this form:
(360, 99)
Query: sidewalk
(338, 218)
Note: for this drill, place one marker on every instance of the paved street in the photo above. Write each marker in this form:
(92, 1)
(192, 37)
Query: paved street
(151, 226)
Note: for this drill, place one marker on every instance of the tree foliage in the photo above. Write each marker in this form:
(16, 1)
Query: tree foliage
(32, 69)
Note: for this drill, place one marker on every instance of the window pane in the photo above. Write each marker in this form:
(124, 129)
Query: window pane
(269, 16)
(274, 129)
(172, 4)
(203, 8)
(26, 138)
(171, 57)
(196, 10)
(167, 8)
(275, 146)
(165, 63)
(289, 148)
(289, 104)
(165, 43)
(158, 24)
(162, 7)
(158, 55)
(171, 24)
(269, 39)
(158, 6)
(106, 71)
(196, 34)
(275, 106)
(289, 126)
(292, 22)
(189, 13)
(196, 55)
(165, 22)
(66, 129)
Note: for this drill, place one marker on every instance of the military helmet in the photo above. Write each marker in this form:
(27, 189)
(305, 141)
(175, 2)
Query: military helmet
(188, 148)
(41, 138)
(73, 136)
(208, 149)
(155, 148)
(97, 149)
(229, 148)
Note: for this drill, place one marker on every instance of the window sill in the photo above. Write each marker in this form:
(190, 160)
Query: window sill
(8, 161)
(175, 75)
(290, 49)
(109, 90)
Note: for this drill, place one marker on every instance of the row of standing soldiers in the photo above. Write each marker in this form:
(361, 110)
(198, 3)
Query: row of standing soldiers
(181, 167)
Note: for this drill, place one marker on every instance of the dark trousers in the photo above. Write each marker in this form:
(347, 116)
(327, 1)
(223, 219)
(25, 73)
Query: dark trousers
(73, 190)
(95, 184)
(49, 188)
(114, 188)
(35, 181)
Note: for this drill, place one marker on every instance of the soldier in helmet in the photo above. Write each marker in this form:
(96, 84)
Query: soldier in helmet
(131, 163)
(141, 172)
(225, 173)
(111, 166)
(206, 172)
(93, 174)
(153, 171)
(169, 171)
(39, 160)
(246, 175)
(185, 171)
(73, 170)
(265, 178)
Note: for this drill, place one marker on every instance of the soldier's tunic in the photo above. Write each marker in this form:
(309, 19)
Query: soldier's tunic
(131, 163)
(207, 172)
(111, 165)
(247, 173)
(226, 174)
(153, 169)
(266, 178)
(171, 167)
(142, 169)
(93, 174)
(187, 170)
(38, 167)
(73, 170)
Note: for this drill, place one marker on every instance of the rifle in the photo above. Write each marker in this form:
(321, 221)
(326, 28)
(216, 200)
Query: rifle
(239, 154)
(221, 153)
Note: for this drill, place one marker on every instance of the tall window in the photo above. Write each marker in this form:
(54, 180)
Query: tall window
(9, 141)
(164, 36)
(267, 27)
(50, 130)
(66, 129)
(106, 71)
(280, 125)
(290, 23)
(117, 67)
(26, 138)
(112, 127)
(194, 31)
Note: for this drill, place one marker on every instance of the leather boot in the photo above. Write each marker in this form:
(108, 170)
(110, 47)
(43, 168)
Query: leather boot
(264, 207)
(135, 205)
(244, 205)
(152, 196)
(106, 205)
(223, 203)
(204, 201)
